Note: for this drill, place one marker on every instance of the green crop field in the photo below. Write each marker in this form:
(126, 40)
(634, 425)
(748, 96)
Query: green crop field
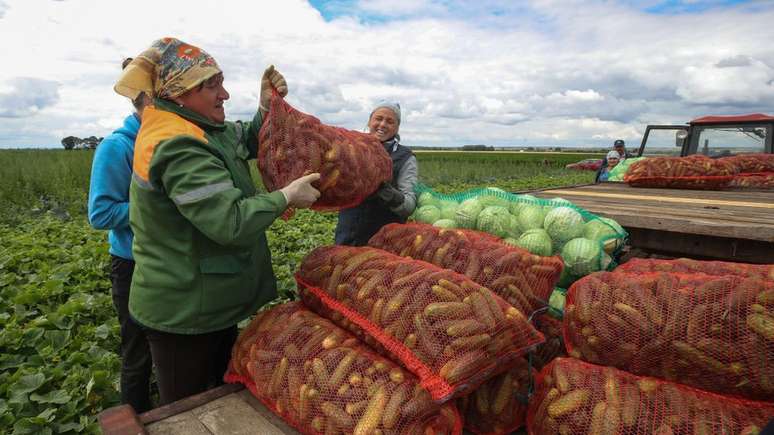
(58, 330)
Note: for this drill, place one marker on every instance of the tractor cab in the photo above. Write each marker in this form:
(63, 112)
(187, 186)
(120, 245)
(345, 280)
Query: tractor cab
(712, 136)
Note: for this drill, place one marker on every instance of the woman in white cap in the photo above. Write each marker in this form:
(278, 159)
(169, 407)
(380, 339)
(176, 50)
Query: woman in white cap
(394, 201)
(612, 159)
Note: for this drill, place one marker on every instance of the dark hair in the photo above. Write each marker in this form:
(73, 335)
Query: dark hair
(138, 102)
(126, 62)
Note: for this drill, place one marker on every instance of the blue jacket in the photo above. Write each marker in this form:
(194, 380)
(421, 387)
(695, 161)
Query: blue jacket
(111, 175)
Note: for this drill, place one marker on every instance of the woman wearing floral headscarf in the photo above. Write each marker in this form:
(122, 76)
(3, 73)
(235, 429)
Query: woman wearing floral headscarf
(202, 259)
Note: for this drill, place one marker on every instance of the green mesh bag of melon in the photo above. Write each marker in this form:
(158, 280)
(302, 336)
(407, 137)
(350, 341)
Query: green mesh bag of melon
(322, 380)
(524, 280)
(448, 330)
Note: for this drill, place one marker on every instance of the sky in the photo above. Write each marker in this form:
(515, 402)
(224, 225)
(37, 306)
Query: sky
(501, 73)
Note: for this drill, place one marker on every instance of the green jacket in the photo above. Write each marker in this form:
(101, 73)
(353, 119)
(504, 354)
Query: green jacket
(202, 259)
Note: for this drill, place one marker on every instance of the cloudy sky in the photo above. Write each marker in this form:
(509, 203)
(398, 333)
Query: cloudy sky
(542, 72)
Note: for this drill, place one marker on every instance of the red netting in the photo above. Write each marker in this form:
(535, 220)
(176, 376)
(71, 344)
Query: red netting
(713, 333)
(554, 345)
(322, 380)
(499, 406)
(293, 144)
(691, 172)
(574, 397)
(524, 280)
(759, 162)
(762, 180)
(445, 328)
(687, 265)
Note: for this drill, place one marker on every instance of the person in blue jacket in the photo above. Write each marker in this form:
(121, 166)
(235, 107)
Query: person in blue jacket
(111, 174)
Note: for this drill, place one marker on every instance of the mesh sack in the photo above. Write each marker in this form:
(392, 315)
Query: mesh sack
(713, 333)
(762, 180)
(586, 242)
(575, 397)
(293, 144)
(691, 172)
(322, 380)
(524, 280)
(747, 163)
(554, 344)
(617, 173)
(688, 265)
(448, 330)
(499, 406)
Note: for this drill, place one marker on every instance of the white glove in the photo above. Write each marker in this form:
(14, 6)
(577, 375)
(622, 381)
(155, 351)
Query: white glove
(271, 79)
(300, 193)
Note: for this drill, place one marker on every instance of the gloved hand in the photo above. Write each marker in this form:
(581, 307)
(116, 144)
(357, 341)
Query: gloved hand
(271, 78)
(300, 193)
(390, 196)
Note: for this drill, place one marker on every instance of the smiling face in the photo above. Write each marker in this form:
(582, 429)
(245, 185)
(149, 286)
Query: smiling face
(383, 124)
(207, 99)
(612, 161)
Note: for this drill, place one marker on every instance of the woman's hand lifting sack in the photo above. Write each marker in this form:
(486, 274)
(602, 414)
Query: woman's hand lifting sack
(300, 193)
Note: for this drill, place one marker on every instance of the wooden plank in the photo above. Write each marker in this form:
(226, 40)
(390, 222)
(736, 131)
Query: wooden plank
(269, 416)
(184, 423)
(703, 201)
(741, 195)
(233, 415)
(733, 217)
(188, 403)
(120, 420)
(695, 225)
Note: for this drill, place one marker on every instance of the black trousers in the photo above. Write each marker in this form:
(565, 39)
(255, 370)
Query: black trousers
(136, 364)
(189, 364)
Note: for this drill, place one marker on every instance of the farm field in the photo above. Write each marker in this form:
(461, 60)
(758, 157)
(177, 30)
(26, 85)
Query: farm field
(58, 330)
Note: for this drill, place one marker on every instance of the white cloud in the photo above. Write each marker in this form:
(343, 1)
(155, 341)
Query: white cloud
(25, 96)
(542, 72)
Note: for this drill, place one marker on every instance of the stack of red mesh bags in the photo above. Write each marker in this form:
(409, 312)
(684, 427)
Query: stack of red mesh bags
(702, 172)
(697, 341)
(322, 380)
(459, 342)
(293, 144)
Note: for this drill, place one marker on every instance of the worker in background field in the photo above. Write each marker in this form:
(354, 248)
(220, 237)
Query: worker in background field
(111, 174)
(395, 200)
(619, 147)
(202, 259)
(612, 160)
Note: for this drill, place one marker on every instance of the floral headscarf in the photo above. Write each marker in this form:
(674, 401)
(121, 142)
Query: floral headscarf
(167, 69)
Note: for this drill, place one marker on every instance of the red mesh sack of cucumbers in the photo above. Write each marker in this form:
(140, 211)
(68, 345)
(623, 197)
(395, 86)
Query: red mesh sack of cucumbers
(451, 332)
(691, 172)
(293, 144)
(322, 380)
(710, 332)
(575, 397)
(523, 279)
(499, 406)
(688, 265)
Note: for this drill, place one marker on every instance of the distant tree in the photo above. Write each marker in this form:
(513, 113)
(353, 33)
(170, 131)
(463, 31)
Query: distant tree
(70, 142)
